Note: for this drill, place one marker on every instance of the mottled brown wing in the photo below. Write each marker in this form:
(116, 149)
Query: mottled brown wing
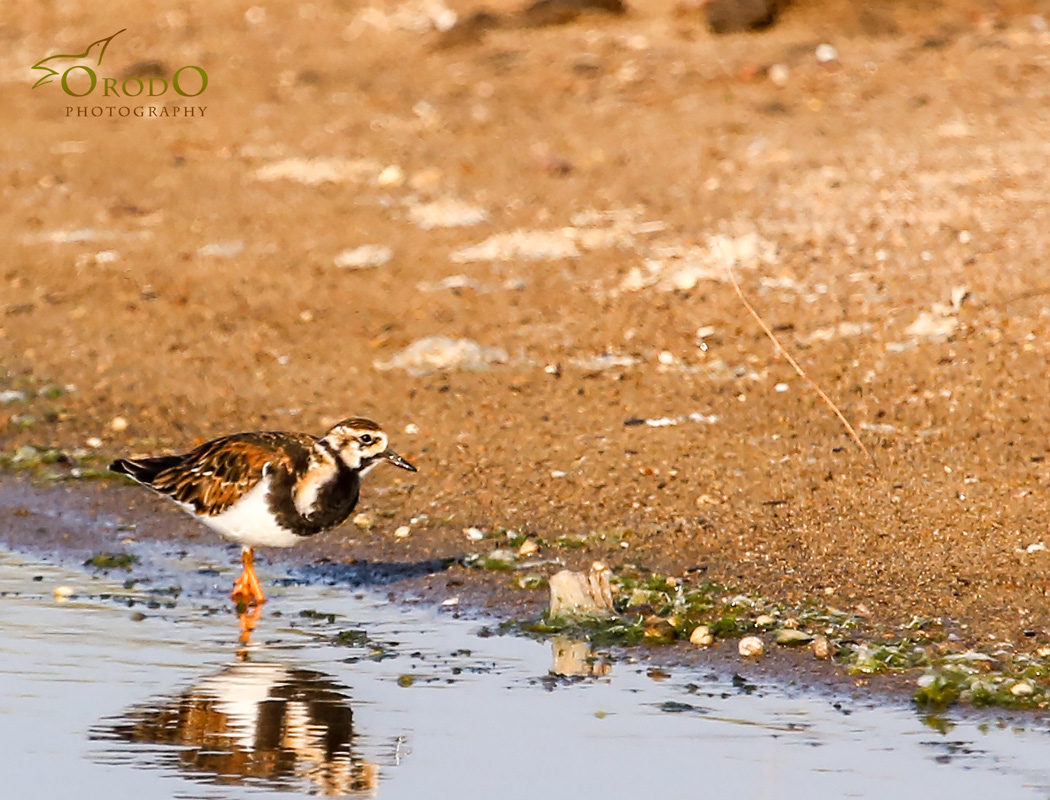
(218, 473)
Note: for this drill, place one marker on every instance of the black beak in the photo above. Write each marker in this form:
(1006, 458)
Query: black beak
(396, 460)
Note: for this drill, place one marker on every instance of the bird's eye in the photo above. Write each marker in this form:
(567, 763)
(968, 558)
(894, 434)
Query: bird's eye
(366, 438)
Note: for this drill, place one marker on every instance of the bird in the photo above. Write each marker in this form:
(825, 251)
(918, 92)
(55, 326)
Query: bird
(46, 65)
(268, 488)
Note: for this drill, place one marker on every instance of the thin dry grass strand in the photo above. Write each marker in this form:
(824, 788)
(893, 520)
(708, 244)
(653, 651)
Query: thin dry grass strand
(798, 369)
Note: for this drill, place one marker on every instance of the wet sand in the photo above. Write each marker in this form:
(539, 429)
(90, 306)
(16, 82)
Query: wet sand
(164, 282)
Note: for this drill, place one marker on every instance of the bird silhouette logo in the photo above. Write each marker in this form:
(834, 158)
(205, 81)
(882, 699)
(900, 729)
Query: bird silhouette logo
(48, 65)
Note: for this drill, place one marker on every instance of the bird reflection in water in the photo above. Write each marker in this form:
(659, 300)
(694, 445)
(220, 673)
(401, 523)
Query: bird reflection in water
(257, 723)
(249, 617)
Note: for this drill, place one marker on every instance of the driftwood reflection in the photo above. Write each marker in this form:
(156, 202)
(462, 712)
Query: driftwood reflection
(254, 723)
(572, 658)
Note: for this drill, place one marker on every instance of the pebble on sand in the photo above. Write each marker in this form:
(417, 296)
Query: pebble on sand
(826, 53)
(751, 647)
(822, 647)
(702, 636)
(790, 637)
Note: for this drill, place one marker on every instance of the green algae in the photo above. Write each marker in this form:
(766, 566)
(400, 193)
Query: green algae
(656, 610)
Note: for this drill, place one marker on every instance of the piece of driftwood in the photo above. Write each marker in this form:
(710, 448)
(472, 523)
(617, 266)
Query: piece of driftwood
(581, 594)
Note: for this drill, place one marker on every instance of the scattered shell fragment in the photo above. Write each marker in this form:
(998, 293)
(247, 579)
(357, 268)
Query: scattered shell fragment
(416, 16)
(751, 647)
(63, 593)
(702, 636)
(12, 396)
(842, 330)
(765, 620)
(93, 442)
(362, 521)
(436, 353)
(680, 267)
(526, 245)
(367, 256)
(391, 176)
(402, 532)
(579, 594)
(1022, 689)
(932, 326)
(451, 282)
(445, 213)
(882, 429)
(501, 556)
(603, 361)
(118, 424)
(474, 534)
(315, 171)
(528, 548)
(958, 295)
(221, 249)
(68, 236)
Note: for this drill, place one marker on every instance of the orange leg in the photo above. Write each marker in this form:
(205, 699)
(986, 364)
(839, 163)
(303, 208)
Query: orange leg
(247, 589)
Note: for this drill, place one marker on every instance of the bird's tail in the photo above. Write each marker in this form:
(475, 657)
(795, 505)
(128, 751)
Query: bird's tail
(144, 470)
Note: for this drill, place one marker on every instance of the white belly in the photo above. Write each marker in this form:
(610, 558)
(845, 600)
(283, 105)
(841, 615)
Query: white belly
(249, 521)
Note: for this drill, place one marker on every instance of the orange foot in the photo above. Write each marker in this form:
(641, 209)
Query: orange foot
(247, 590)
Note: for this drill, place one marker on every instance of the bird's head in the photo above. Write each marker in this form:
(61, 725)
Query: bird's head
(361, 444)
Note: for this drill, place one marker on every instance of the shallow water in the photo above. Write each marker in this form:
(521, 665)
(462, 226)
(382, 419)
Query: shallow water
(98, 701)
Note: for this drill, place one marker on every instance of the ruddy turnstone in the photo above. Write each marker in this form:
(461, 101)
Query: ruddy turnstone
(266, 487)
